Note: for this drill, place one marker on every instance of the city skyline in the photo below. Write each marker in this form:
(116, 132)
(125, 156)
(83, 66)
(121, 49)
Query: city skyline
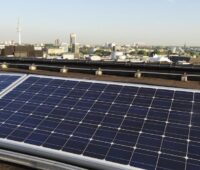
(153, 22)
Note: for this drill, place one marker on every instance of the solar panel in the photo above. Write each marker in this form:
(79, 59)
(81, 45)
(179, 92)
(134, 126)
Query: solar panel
(7, 79)
(103, 125)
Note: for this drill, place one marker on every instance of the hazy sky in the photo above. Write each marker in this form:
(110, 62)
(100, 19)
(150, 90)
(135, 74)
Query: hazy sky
(156, 22)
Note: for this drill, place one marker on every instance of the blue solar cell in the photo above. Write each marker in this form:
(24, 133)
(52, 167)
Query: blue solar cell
(37, 137)
(179, 117)
(93, 118)
(6, 129)
(158, 114)
(66, 127)
(56, 82)
(166, 94)
(146, 92)
(124, 99)
(195, 133)
(161, 103)
(13, 106)
(84, 104)
(107, 97)
(97, 87)
(118, 109)
(59, 112)
(112, 121)
(154, 127)
(23, 86)
(105, 134)
(197, 97)
(76, 145)
(20, 134)
(195, 120)
(182, 106)
(83, 85)
(142, 101)
(44, 109)
(4, 115)
(126, 138)
(196, 108)
(31, 80)
(85, 130)
(171, 162)
(76, 93)
(144, 142)
(55, 141)
(136, 111)
(144, 159)
(17, 118)
(43, 81)
(194, 150)
(24, 96)
(52, 100)
(177, 131)
(28, 107)
(13, 95)
(61, 91)
(32, 121)
(134, 124)
(101, 107)
(47, 90)
(69, 84)
(175, 147)
(67, 102)
(91, 95)
(76, 115)
(48, 124)
(113, 88)
(129, 90)
(141, 127)
(34, 88)
(97, 149)
(3, 103)
(186, 96)
(193, 164)
(118, 154)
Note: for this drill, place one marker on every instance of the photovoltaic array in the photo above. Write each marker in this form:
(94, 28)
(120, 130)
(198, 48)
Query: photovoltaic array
(148, 128)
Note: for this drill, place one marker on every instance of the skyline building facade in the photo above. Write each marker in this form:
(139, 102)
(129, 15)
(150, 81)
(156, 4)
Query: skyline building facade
(72, 39)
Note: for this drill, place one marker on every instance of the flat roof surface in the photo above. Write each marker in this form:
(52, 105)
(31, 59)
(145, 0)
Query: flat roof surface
(123, 79)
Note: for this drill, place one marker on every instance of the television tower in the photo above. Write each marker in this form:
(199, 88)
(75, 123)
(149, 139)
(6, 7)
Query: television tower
(19, 32)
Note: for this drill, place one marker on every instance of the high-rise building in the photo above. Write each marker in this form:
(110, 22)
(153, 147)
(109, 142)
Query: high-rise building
(75, 48)
(57, 42)
(72, 39)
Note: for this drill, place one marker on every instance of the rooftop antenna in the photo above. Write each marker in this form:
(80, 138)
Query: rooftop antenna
(19, 32)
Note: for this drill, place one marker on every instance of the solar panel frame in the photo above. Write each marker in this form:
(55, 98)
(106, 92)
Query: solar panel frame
(101, 164)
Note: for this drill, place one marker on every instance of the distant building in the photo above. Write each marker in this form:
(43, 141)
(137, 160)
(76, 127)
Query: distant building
(68, 56)
(55, 51)
(57, 42)
(8, 51)
(75, 48)
(24, 51)
(116, 55)
(38, 53)
(72, 39)
(65, 47)
(112, 46)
